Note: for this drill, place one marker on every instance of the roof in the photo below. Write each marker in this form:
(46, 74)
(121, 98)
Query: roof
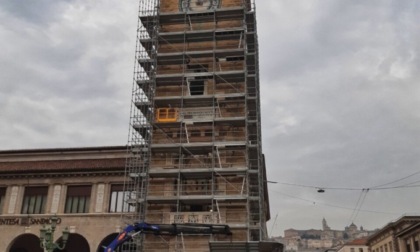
(85, 159)
(59, 165)
(92, 148)
(358, 242)
(391, 225)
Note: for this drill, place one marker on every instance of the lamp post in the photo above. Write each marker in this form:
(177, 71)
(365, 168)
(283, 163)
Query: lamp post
(47, 236)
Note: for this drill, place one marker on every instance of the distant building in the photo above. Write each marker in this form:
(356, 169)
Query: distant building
(402, 235)
(357, 245)
(315, 239)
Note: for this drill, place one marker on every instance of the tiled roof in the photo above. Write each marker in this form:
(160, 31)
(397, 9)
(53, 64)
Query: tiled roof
(360, 241)
(69, 149)
(61, 165)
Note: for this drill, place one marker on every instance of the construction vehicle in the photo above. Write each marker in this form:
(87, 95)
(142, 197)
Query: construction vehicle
(165, 229)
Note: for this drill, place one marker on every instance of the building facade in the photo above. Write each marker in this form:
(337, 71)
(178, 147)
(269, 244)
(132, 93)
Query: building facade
(316, 239)
(402, 235)
(357, 245)
(83, 187)
(196, 153)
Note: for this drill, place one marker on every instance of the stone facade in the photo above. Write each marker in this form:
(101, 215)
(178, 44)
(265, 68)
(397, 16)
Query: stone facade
(402, 235)
(358, 245)
(38, 184)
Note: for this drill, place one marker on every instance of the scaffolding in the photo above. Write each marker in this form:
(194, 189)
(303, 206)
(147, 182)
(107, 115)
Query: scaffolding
(195, 153)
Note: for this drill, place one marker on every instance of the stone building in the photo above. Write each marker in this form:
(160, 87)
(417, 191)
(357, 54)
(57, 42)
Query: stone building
(83, 187)
(196, 115)
(357, 245)
(402, 235)
(315, 239)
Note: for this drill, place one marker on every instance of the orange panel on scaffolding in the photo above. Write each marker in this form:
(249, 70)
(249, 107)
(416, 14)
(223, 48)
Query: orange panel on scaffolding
(166, 115)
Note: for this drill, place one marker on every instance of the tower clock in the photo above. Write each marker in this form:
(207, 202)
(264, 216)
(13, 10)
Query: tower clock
(199, 5)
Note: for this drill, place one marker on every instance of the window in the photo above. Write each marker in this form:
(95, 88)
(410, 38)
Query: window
(34, 200)
(196, 187)
(116, 203)
(194, 208)
(408, 245)
(196, 87)
(351, 249)
(360, 249)
(198, 68)
(241, 58)
(2, 195)
(416, 243)
(195, 133)
(208, 133)
(78, 199)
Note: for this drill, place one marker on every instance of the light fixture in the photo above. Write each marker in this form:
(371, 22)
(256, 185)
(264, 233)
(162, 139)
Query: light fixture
(46, 236)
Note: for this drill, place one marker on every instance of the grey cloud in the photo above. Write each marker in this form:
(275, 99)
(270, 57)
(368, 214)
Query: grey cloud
(340, 105)
(66, 75)
(40, 11)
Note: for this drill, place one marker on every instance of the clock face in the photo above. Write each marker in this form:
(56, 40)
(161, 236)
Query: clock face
(199, 5)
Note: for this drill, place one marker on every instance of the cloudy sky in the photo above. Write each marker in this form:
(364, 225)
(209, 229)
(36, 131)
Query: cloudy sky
(340, 87)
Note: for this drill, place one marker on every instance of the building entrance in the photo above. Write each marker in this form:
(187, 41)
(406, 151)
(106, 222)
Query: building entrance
(76, 243)
(25, 243)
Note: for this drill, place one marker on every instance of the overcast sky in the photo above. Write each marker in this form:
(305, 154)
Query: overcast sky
(340, 88)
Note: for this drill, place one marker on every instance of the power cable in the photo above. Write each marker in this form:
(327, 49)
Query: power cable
(358, 208)
(361, 204)
(392, 182)
(377, 187)
(317, 187)
(331, 205)
(357, 205)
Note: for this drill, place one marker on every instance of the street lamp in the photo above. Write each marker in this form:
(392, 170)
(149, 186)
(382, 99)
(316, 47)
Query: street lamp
(47, 236)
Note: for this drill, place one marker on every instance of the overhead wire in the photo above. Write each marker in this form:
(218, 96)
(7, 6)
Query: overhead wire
(361, 204)
(377, 187)
(316, 187)
(363, 192)
(313, 202)
(357, 205)
(398, 180)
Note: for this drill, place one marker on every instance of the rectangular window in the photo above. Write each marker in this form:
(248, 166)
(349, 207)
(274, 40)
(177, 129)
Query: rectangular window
(196, 87)
(416, 243)
(351, 249)
(34, 200)
(408, 245)
(360, 250)
(116, 203)
(195, 133)
(208, 133)
(78, 199)
(241, 58)
(2, 195)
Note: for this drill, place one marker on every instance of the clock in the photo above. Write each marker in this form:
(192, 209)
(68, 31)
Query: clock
(198, 5)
